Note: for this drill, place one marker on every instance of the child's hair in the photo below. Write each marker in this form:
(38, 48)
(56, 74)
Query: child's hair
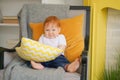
(52, 19)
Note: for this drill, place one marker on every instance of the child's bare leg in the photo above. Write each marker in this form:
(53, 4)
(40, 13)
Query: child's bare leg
(37, 65)
(72, 67)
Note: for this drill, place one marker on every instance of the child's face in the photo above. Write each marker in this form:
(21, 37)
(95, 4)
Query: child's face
(51, 30)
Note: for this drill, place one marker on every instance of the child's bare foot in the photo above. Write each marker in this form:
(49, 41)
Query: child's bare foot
(37, 65)
(72, 67)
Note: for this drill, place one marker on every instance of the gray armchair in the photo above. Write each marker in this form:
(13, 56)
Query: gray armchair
(17, 69)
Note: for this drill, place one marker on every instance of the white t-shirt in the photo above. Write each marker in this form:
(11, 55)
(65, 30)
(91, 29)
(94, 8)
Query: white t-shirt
(54, 42)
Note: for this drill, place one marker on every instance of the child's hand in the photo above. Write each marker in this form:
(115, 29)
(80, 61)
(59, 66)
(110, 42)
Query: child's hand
(62, 47)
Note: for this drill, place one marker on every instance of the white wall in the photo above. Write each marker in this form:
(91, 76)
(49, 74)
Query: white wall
(70, 2)
(53, 1)
(74, 2)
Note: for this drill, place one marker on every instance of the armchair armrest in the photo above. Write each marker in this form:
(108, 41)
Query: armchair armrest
(84, 65)
(2, 50)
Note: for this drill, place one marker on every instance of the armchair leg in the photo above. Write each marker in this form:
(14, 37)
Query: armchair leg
(84, 66)
(1, 58)
(84, 72)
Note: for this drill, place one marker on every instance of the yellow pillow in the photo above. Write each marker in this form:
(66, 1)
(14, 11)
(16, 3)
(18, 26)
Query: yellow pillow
(72, 29)
(33, 50)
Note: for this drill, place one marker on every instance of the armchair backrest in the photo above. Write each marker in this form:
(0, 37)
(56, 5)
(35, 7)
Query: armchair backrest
(37, 13)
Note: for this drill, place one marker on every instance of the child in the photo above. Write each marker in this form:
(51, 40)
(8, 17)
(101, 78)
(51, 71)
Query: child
(52, 37)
